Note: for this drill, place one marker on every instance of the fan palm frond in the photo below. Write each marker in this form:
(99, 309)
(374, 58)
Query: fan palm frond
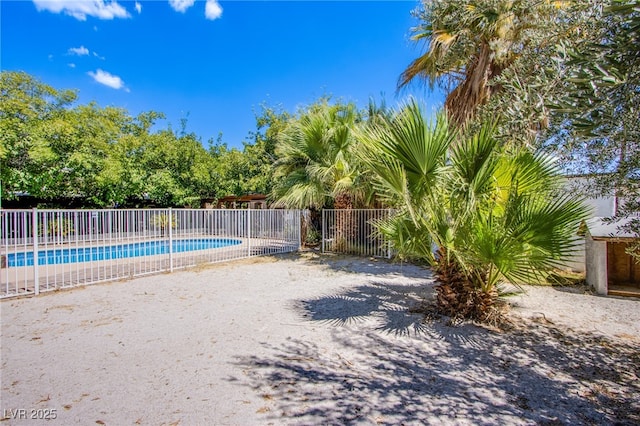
(491, 214)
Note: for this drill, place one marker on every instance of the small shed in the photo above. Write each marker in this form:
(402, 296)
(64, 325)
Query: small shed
(610, 270)
(251, 201)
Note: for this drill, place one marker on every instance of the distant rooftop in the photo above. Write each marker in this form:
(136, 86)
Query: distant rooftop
(602, 228)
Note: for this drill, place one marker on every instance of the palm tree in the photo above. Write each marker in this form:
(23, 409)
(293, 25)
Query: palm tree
(491, 215)
(470, 43)
(317, 168)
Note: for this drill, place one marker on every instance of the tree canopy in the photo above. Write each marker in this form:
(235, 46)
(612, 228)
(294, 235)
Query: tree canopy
(52, 148)
(558, 75)
(600, 110)
(316, 162)
(470, 43)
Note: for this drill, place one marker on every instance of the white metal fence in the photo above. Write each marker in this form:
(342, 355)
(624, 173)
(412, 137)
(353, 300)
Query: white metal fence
(352, 231)
(44, 250)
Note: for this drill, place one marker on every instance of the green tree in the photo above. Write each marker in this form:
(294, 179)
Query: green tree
(316, 166)
(231, 166)
(52, 149)
(600, 135)
(261, 153)
(121, 177)
(178, 170)
(472, 43)
(492, 214)
(30, 111)
(250, 170)
(601, 108)
(90, 155)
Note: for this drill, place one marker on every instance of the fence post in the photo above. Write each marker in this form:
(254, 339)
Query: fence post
(170, 226)
(36, 277)
(322, 225)
(248, 232)
(388, 242)
(299, 227)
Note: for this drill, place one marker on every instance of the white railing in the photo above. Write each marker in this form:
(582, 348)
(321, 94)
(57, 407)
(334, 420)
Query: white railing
(45, 250)
(352, 231)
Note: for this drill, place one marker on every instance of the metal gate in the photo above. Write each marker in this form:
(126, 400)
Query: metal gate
(353, 231)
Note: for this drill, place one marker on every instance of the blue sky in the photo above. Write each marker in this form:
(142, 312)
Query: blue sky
(213, 63)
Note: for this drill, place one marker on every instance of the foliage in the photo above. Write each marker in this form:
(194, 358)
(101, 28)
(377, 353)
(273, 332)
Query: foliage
(53, 149)
(29, 110)
(316, 166)
(498, 59)
(567, 81)
(250, 170)
(312, 237)
(161, 222)
(538, 76)
(470, 43)
(601, 108)
(56, 227)
(492, 214)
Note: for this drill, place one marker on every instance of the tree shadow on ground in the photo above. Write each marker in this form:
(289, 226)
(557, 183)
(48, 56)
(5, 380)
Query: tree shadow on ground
(360, 265)
(383, 304)
(383, 365)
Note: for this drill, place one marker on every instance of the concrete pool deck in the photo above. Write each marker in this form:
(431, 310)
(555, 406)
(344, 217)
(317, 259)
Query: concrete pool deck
(307, 339)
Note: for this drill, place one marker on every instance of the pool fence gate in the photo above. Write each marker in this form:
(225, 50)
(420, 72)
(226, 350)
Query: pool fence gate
(353, 231)
(46, 250)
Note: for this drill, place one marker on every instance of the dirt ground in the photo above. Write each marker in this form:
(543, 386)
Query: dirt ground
(304, 339)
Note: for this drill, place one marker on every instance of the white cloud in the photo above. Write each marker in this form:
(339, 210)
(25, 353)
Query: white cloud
(80, 51)
(181, 5)
(80, 9)
(212, 10)
(138, 7)
(95, 54)
(107, 79)
(71, 65)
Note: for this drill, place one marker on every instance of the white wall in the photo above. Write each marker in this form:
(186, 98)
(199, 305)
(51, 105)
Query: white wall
(596, 258)
(600, 207)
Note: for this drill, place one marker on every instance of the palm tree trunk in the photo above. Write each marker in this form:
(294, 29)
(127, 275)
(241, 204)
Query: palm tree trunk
(345, 223)
(458, 296)
(461, 104)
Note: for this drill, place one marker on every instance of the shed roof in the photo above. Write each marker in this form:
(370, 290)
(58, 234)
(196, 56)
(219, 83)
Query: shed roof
(601, 228)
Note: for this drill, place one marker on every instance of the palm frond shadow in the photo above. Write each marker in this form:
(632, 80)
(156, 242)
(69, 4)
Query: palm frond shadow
(364, 265)
(338, 310)
(534, 375)
(385, 307)
(375, 302)
(397, 321)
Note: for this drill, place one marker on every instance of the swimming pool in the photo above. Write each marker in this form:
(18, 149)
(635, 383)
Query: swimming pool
(120, 251)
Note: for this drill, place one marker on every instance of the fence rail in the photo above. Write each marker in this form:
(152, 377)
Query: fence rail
(352, 231)
(45, 250)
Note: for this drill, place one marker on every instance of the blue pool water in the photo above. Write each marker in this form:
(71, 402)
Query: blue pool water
(120, 251)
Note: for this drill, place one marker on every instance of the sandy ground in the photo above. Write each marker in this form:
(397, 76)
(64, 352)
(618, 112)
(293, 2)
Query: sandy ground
(299, 339)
